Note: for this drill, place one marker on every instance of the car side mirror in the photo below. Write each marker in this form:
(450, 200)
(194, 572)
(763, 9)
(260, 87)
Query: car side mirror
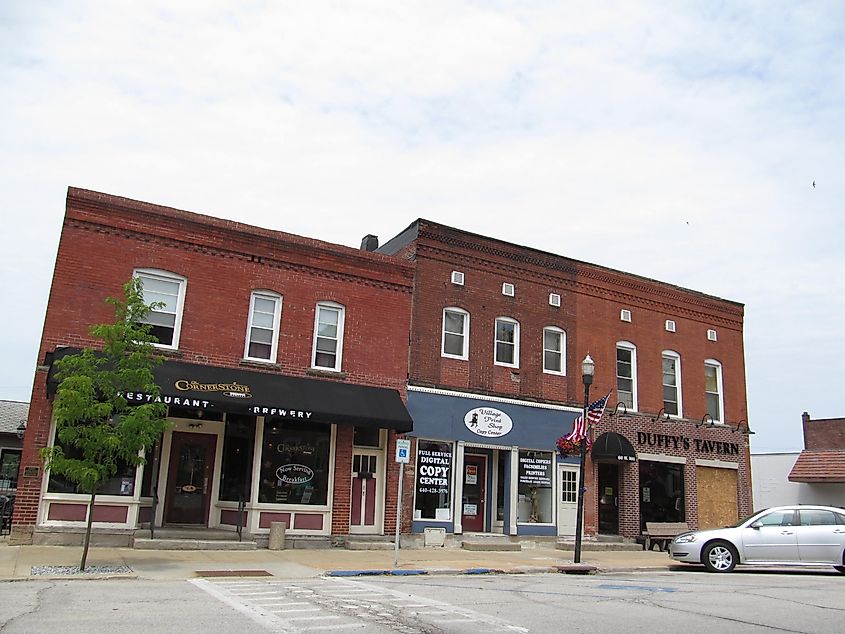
(756, 525)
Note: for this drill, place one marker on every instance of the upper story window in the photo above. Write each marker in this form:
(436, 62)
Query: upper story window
(554, 350)
(455, 342)
(168, 290)
(262, 334)
(672, 383)
(328, 336)
(713, 390)
(507, 342)
(626, 374)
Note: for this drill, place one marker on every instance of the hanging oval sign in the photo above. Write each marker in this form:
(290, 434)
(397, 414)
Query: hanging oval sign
(294, 474)
(488, 422)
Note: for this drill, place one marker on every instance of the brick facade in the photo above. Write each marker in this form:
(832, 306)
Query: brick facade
(105, 238)
(591, 298)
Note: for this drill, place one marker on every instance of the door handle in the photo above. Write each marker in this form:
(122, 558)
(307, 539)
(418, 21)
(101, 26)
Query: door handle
(787, 532)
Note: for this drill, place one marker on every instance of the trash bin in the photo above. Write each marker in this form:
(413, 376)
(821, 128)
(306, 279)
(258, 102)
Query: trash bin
(277, 535)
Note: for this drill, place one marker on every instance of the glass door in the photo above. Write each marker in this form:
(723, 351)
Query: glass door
(189, 478)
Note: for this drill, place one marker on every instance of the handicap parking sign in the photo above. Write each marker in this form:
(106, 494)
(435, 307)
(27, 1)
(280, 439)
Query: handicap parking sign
(403, 451)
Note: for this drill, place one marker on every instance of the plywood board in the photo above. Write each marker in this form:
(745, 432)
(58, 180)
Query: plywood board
(717, 497)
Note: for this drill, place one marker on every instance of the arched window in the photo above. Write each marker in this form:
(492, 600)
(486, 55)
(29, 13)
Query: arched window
(554, 350)
(713, 390)
(328, 336)
(672, 383)
(455, 340)
(626, 374)
(506, 342)
(168, 290)
(262, 331)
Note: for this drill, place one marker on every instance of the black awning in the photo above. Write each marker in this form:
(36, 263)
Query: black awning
(613, 446)
(263, 394)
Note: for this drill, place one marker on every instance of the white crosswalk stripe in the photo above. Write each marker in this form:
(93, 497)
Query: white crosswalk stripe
(339, 605)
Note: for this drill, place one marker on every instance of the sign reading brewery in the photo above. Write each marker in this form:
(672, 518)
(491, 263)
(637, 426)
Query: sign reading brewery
(667, 441)
(187, 396)
(488, 422)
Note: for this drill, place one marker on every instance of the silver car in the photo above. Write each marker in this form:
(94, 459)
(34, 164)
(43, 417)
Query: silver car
(800, 535)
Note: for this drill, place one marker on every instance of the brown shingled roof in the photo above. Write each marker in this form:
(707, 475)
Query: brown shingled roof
(819, 466)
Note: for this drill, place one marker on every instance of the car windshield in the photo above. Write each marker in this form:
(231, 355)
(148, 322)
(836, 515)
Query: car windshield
(745, 519)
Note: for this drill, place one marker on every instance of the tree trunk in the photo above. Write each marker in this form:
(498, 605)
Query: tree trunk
(87, 539)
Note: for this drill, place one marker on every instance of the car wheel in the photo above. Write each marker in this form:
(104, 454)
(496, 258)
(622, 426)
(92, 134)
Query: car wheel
(840, 569)
(719, 557)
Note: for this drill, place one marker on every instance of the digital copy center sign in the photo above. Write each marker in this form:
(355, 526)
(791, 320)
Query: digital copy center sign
(535, 469)
(434, 472)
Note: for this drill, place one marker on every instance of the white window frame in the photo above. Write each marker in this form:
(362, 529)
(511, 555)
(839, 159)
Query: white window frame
(339, 339)
(465, 349)
(627, 345)
(508, 320)
(678, 385)
(554, 300)
(711, 335)
(508, 289)
(277, 313)
(625, 315)
(671, 326)
(562, 334)
(167, 276)
(719, 386)
(457, 278)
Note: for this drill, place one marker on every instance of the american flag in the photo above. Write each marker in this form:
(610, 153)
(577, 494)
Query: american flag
(594, 413)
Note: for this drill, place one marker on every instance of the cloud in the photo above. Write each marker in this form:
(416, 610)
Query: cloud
(676, 142)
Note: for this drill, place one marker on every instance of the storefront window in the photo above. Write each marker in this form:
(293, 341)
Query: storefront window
(10, 461)
(294, 462)
(661, 492)
(236, 473)
(121, 483)
(434, 481)
(535, 487)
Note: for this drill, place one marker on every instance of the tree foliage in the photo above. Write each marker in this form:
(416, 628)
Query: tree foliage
(94, 421)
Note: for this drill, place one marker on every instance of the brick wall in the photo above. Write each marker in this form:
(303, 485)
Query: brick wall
(823, 433)
(104, 238)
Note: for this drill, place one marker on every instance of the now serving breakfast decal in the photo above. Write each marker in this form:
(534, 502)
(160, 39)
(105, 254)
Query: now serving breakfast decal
(488, 422)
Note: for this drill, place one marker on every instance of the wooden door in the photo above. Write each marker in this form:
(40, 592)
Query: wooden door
(475, 493)
(189, 480)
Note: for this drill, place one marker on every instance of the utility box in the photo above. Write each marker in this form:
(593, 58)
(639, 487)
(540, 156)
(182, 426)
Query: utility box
(434, 537)
(277, 536)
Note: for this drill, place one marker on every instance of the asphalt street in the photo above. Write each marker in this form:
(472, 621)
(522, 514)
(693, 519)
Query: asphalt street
(690, 601)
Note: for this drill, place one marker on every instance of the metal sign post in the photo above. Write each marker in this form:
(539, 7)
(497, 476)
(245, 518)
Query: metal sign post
(403, 455)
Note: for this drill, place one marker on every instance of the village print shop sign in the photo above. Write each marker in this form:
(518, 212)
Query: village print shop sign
(667, 441)
(234, 391)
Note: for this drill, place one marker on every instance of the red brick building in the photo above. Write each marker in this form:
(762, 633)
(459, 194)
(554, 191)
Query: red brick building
(285, 375)
(498, 335)
(823, 459)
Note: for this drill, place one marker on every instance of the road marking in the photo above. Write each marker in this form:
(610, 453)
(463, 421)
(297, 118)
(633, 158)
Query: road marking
(261, 617)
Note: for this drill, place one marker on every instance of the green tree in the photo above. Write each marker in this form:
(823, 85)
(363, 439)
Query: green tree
(94, 422)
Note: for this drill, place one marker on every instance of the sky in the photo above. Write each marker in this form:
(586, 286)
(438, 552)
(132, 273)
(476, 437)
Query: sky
(678, 141)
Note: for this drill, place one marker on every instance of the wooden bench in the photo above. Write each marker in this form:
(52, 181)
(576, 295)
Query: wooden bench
(661, 533)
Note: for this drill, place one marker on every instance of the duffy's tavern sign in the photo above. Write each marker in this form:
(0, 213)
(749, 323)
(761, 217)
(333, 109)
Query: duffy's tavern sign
(682, 443)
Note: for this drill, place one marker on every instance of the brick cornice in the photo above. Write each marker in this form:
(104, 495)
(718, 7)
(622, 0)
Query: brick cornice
(579, 277)
(146, 222)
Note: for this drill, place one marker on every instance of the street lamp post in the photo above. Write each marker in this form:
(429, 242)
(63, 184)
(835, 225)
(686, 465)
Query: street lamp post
(588, 368)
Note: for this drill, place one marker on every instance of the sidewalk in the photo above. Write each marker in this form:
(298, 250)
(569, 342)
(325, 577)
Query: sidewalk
(16, 562)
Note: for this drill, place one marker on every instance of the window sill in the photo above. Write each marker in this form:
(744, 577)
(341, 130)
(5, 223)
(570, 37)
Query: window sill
(168, 352)
(253, 363)
(329, 374)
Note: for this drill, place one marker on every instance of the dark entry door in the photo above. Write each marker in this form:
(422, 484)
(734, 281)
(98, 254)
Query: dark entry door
(475, 493)
(608, 498)
(189, 478)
